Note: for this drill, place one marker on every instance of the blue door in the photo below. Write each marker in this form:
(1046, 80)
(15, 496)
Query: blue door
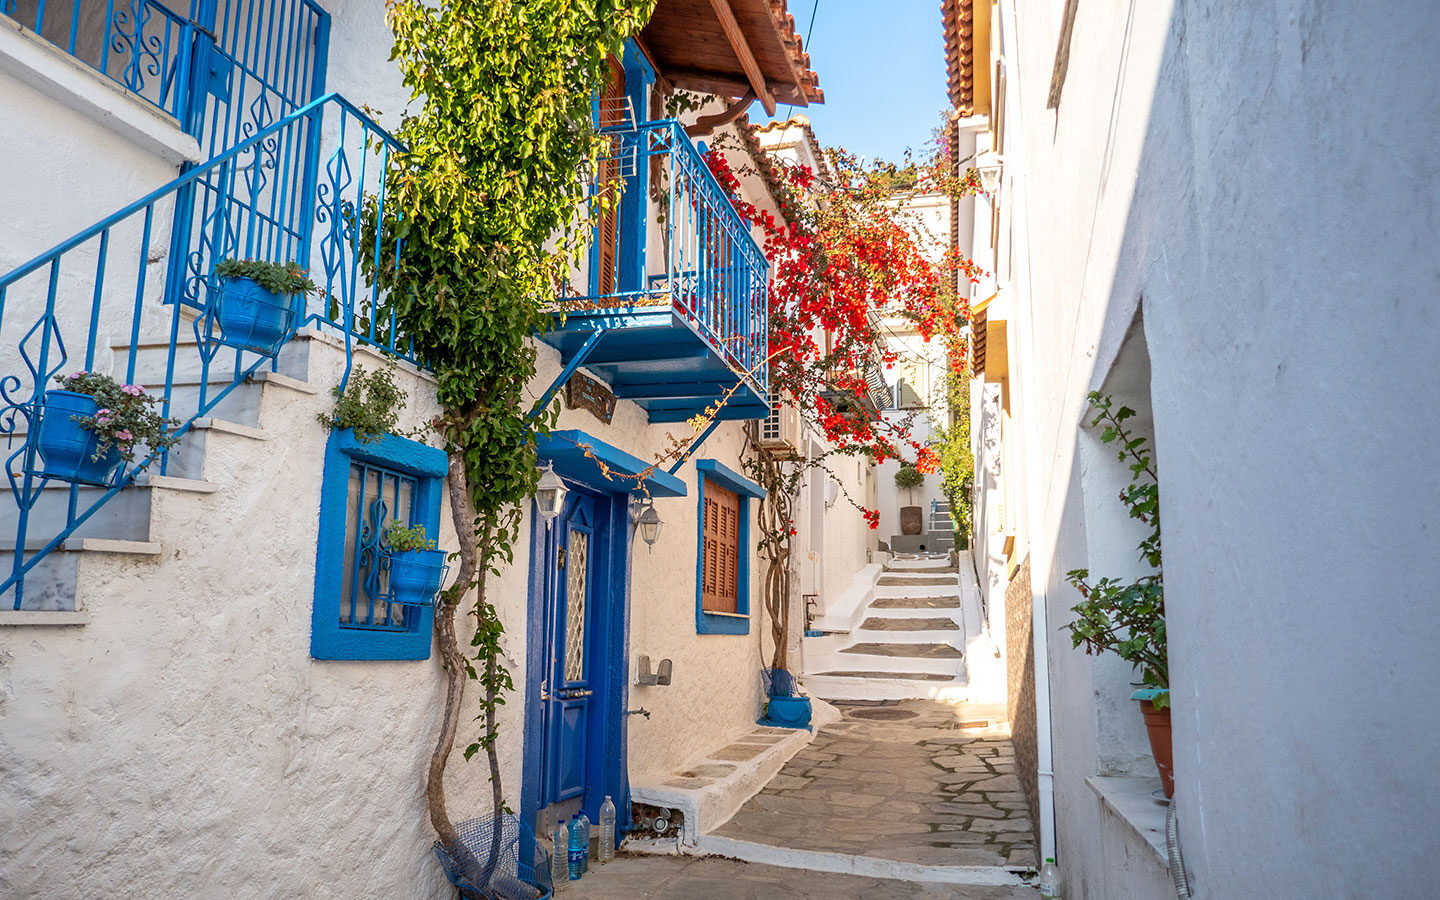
(567, 691)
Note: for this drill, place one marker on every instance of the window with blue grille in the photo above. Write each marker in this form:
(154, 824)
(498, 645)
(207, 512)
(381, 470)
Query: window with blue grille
(365, 486)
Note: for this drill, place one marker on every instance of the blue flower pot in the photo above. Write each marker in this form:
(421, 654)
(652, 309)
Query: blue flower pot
(67, 449)
(253, 318)
(790, 712)
(415, 576)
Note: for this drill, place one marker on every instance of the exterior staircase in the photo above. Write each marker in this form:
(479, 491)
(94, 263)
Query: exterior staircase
(909, 641)
(158, 516)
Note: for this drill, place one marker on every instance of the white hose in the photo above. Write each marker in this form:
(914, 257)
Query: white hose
(1178, 876)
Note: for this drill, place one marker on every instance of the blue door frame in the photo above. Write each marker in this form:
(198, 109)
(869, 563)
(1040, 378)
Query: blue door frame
(608, 636)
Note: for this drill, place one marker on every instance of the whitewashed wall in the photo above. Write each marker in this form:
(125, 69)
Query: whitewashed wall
(184, 743)
(1265, 179)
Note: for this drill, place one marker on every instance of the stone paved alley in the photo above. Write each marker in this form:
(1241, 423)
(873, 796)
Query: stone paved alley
(923, 782)
(900, 780)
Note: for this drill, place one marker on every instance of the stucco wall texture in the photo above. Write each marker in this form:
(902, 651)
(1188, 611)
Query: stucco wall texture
(1263, 176)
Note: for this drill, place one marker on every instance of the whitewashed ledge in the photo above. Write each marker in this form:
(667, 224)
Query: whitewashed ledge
(717, 784)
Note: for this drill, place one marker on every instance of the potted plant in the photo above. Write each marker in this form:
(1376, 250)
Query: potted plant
(1127, 617)
(912, 518)
(93, 423)
(259, 302)
(784, 707)
(416, 567)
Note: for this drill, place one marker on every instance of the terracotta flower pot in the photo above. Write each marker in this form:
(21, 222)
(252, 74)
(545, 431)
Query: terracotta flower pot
(1157, 725)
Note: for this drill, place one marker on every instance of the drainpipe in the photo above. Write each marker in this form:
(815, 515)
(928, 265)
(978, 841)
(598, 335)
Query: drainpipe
(1040, 624)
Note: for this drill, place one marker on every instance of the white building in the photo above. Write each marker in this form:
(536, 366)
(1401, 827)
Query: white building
(190, 707)
(1222, 215)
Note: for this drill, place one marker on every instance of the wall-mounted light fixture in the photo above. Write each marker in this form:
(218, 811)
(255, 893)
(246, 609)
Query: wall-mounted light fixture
(648, 523)
(550, 494)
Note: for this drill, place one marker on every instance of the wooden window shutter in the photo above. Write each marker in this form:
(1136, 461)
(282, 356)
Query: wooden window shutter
(720, 568)
(612, 106)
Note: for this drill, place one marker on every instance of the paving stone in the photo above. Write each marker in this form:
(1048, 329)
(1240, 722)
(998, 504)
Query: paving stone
(690, 784)
(761, 739)
(1004, 795)
(998, 783)
(969, 809)
(708, 770)
(786, 783)
(997, 826)
(950, 602)
(1014, 837)
(916, 624)
(738, 752)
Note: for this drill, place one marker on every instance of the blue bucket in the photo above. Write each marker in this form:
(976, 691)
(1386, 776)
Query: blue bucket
(253, 318)
(68, 449)
(415, 576)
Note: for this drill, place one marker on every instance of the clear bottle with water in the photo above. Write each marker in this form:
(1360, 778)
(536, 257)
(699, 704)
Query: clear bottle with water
(560, 857)
(585, 843)
(576, 856)
(607, 830)
(1050, 887)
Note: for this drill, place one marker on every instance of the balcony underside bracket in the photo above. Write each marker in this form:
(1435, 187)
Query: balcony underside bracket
(575, 362)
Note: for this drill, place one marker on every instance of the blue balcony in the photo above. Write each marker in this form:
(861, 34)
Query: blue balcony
(669, 305)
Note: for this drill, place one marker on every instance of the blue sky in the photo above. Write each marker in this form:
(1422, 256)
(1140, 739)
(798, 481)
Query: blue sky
(882, 66)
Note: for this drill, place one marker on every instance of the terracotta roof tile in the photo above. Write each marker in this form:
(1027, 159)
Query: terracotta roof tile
(960, 53)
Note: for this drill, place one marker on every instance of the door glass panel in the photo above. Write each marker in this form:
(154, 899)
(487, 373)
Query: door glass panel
(576, 568)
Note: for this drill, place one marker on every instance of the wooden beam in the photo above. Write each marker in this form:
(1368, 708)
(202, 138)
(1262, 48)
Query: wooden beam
(706, 124)
(687, 79)
(726, 15)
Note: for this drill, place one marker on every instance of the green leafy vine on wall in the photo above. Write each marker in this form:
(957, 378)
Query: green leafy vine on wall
(499, 145)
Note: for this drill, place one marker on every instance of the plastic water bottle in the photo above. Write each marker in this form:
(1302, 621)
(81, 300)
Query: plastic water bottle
(560, 857)
(584, 843)
(576, 858)
(607, 830)
(1050, 880)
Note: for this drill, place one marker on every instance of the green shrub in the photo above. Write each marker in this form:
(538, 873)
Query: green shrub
(369, 406)
(907, 476)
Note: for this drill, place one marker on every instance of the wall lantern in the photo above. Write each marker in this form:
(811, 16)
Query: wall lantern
(649, 524)
(989, 164)
(550, 494)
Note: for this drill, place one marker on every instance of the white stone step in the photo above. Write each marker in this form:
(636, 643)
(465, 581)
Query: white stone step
(884, 687)
(51, 584)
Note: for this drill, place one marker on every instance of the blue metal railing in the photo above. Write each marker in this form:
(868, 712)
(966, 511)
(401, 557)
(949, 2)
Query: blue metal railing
(709, 269)
(223, 68)
(98, 300)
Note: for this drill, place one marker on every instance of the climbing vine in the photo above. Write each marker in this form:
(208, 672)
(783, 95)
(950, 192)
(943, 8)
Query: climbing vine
(481, 222)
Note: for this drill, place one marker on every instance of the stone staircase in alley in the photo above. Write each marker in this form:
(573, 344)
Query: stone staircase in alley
(908, 638)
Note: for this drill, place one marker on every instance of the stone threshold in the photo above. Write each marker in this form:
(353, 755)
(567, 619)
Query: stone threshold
(850, 864)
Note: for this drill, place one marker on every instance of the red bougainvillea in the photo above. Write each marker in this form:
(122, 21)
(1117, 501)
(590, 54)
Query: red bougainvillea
(844, 254)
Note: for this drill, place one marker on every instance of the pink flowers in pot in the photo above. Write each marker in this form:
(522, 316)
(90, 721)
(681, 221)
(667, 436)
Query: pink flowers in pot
(127, 417)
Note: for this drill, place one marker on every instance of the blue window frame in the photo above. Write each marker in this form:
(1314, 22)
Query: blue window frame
(363, 488)
(711, 472)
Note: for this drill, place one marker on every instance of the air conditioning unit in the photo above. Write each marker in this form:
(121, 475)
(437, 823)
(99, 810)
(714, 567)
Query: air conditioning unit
(780, 432)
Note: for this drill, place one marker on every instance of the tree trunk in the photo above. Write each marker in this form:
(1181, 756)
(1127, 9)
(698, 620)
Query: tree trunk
(462, 513)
